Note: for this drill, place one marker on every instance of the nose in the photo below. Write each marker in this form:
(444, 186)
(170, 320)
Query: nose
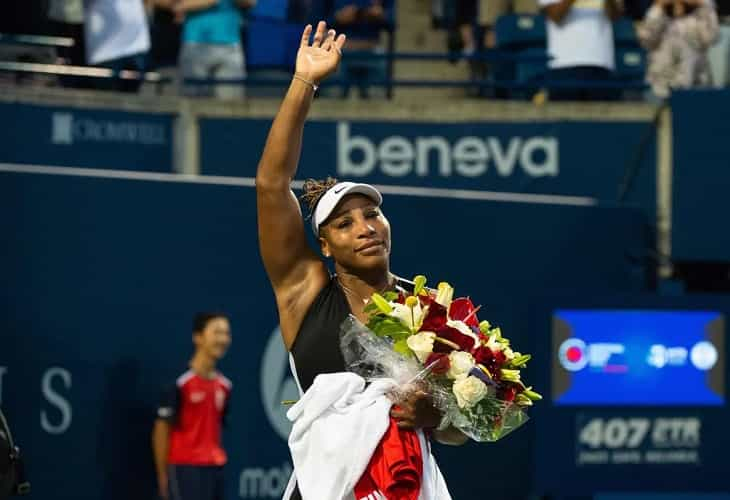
(365, 228)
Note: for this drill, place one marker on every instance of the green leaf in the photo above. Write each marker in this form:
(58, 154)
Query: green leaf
(385, 326)
(390, 296)
(401, 347)
(382, 304)
(371, 307)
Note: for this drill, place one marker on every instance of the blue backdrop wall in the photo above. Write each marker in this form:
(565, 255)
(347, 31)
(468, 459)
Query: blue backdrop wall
(101, 277)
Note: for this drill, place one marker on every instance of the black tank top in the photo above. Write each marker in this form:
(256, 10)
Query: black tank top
(316, 348)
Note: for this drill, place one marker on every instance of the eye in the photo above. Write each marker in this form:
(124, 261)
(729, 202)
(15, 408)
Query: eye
(372, 213)
(343, 223)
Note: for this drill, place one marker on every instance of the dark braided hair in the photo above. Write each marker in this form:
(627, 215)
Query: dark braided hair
(313, 191)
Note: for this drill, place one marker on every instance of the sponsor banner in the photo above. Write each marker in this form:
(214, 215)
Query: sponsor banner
(561, 157)
(637, 393)
(637, 440)
(89, 138)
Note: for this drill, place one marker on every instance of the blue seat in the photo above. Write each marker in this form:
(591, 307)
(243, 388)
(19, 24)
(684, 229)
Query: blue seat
(517, 31)
(624, 34)
(630, 64)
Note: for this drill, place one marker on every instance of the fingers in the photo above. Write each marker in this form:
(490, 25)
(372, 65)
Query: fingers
(339, 43)
(319, 34)
(329, 41)
(305, 35)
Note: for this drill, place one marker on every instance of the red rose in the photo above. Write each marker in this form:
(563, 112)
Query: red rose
(440, 361)
(462, 308)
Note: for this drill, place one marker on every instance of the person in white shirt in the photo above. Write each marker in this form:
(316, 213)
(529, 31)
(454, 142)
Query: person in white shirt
(580, 43)
(117, 37)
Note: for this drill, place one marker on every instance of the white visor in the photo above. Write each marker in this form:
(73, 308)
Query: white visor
(332, 197)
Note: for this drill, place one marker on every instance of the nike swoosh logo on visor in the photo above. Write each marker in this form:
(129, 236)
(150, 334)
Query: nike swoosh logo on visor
(337, 191)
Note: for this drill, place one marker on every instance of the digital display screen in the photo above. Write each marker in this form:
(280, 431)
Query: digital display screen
(638, 357)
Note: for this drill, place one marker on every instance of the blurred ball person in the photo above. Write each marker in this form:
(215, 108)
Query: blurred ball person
(678, 34)
(186, 438)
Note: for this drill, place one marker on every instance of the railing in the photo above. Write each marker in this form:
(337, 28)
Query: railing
(36, 40)
(493, 55)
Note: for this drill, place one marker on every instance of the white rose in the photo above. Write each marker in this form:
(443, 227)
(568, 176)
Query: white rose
(469, 391)
(421, 344)
(461, 364)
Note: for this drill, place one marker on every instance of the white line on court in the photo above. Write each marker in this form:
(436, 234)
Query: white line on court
(461, 194)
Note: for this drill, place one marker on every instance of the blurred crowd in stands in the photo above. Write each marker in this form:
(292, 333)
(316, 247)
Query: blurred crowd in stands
(563, 49)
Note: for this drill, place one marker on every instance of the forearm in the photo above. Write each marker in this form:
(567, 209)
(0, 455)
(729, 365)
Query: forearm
(160, 448)
(279, 160)
(557, 11)
(193, 5)
(450, 436)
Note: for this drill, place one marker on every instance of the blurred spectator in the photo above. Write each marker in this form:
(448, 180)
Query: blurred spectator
(165, 34)
(461, 36)
(720, 52)
(67, 17)
(211, 45)
(580, 42)
(117, 37)
(678, 34)
(363, 21)
(186, 438)
(491, 10)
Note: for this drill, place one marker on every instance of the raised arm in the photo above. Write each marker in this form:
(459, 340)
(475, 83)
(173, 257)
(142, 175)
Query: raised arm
(288, 260)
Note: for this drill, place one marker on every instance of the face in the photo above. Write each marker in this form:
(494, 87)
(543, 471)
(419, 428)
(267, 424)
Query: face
(214, 339)
(357, 234)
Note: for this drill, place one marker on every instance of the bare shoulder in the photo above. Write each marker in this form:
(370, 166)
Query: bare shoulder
(293, 299)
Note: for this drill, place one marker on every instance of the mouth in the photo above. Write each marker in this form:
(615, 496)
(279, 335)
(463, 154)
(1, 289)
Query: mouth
(369, 245)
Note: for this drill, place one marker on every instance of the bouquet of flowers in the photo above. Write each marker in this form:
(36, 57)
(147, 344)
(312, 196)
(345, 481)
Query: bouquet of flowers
(431, 340)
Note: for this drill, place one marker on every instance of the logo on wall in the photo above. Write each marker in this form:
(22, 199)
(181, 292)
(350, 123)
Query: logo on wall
(432, 155)
(62, 130)
(277, 384)
(66, 129)
(574, 355)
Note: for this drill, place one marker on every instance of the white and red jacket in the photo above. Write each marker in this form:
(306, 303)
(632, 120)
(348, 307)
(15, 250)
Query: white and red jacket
(345, 446)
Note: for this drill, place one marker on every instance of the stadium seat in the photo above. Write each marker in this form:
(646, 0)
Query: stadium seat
(624, 33)
(630, 64)
(515, 32)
